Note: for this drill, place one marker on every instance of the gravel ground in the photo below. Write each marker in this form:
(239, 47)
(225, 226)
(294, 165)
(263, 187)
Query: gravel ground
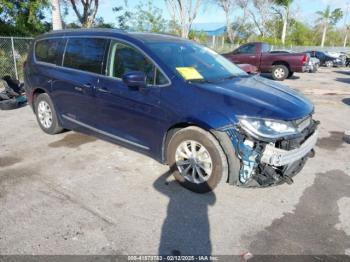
(74, 194)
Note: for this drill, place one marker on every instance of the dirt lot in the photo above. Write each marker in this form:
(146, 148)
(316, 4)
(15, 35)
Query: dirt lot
(74, 194)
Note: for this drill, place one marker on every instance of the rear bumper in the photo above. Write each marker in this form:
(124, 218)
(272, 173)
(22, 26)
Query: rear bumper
(300, 69)
(279, 157)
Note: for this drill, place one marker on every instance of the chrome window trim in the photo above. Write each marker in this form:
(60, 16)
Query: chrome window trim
(43, 39)
(95, 74)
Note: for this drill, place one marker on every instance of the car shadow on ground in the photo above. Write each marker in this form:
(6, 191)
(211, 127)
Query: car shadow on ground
(186, 229)
(343, 72)
(346, 101)
(343, 80)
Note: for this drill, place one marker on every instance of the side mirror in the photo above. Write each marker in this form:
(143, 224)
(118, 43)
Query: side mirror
(135, 79)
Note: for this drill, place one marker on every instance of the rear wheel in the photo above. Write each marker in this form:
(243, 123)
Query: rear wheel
(280, 72)
(329, 64)
(196, 159)
(46, 115)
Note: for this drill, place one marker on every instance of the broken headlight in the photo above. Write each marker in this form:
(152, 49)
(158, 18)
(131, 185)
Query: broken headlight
(267, 128)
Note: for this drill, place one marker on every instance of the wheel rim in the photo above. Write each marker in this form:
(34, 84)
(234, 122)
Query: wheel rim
(279, 73)
(193, 161)
(45, 114)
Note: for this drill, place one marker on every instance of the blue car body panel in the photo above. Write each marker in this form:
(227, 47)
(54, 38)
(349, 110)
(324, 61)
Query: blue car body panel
(140, 119)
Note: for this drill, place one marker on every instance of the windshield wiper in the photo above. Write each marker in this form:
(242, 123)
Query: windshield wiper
(200, 81)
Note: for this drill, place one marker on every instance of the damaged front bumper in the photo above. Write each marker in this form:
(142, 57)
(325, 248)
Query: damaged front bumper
(280, 157)
(264, 163)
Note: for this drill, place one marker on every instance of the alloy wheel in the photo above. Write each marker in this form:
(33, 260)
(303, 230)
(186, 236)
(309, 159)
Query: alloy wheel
(45, 114)
(193, 161)
(279, 73)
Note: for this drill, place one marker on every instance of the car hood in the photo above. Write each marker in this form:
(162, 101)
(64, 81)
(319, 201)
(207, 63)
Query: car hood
(254, 96)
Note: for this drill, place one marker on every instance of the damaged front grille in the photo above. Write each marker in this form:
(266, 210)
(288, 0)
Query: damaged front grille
(296, 141)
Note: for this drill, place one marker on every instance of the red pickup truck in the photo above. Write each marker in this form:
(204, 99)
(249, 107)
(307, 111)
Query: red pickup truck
(280, 65)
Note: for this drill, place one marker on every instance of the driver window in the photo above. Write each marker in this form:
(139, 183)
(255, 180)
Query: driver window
(124, 58)
(248, 49)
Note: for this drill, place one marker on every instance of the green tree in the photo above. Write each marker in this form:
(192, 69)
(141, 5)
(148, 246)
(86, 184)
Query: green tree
(23, 17)
(201, 36)
(328, 18)
(123, 17)
(301, 34)
(148, 18)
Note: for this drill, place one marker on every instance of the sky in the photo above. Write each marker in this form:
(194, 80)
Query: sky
(210, 13)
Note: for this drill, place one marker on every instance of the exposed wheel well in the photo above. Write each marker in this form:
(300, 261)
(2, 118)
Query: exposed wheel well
(281, 63)
(169, 133)
(37, 92)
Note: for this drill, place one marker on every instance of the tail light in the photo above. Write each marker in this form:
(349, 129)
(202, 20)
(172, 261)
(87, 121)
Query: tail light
(304, 60)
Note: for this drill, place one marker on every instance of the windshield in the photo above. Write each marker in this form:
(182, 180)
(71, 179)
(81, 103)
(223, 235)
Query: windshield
(195, 62)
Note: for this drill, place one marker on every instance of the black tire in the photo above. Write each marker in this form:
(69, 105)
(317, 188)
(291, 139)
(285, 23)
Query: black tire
(9, 104)
(55, 126)
(290, 74)
(280, 72)
(219, 160)
(314, 70)
(329, 64)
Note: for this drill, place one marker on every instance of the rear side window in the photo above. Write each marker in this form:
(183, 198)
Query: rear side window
(85, 54)
(49, 51)
(265, 48)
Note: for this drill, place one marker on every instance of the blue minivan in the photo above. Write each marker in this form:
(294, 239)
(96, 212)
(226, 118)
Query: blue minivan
(174, 100)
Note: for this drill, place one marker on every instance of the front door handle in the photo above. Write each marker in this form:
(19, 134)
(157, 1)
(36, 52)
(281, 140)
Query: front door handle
(78, 88)
(103, 90)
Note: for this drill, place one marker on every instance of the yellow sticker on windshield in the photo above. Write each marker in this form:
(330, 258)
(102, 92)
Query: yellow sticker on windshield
(189, 73)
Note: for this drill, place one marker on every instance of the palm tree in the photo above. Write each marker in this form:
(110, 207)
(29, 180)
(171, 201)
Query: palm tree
(285, 4)
(347, 28)
(56, 15)
(327, 18)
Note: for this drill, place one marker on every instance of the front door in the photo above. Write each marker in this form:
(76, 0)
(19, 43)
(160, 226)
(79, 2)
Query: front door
(245, 54)
(131, 115)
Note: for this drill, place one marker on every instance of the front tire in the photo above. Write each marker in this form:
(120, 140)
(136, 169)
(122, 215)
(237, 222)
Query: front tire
(196, 159)
(46, 115)
(280, 72)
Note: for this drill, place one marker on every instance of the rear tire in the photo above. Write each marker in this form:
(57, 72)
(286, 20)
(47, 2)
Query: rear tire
(329, 64)
(46, 115)
(196, 159)
(280, 72)
(290, 74)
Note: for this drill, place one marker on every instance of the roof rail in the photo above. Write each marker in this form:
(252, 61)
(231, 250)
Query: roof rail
(70, 30)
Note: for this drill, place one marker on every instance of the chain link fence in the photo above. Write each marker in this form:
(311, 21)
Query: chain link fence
(13, 53)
